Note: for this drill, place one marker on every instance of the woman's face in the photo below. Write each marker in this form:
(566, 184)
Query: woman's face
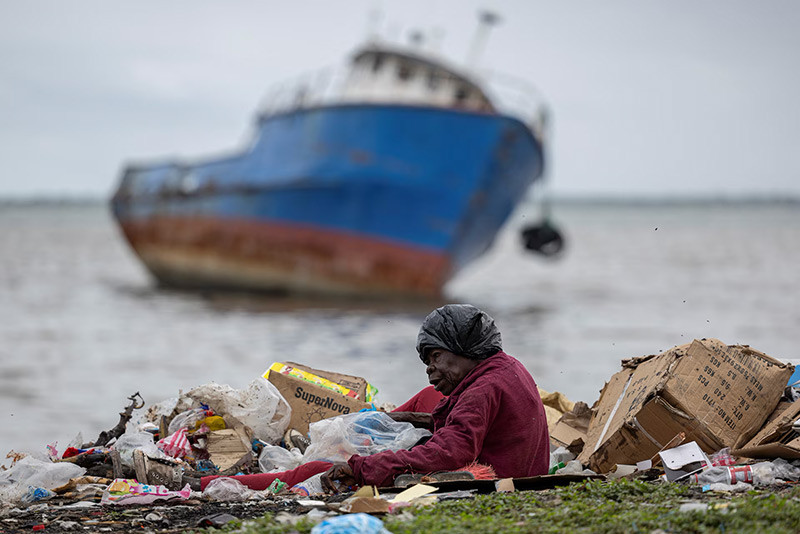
(446, 370)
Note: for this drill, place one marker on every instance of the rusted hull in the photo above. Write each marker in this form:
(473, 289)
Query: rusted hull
(343, 200)
(254, 255)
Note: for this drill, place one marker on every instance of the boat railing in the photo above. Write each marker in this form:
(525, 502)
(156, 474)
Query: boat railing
(509, 95)
(310, 89)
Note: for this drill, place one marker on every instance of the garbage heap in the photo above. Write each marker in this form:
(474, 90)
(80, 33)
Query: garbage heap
(705, 413)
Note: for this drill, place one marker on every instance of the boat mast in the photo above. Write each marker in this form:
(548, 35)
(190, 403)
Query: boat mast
(486, 19)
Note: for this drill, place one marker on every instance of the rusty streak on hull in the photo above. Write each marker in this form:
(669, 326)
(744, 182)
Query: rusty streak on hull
(244, 254)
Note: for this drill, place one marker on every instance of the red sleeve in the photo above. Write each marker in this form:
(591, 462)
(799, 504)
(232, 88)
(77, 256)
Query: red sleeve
(453, 446)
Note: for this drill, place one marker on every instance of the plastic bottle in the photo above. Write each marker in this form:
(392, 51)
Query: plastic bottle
(724, 474)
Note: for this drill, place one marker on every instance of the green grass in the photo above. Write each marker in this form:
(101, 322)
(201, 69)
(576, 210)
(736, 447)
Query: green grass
(595, 506)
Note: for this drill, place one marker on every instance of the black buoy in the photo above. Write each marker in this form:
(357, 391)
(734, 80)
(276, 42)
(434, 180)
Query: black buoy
(543, 238)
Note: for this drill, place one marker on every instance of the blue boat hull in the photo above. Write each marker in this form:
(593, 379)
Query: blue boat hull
(346, 199)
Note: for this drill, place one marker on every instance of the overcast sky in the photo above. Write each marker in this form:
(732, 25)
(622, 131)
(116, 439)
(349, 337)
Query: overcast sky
(647, 97)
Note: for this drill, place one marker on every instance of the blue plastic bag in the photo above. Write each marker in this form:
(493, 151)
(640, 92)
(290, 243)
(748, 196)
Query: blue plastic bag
(351, 524)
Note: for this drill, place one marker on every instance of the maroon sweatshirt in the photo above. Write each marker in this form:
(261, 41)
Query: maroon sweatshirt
(494, 416)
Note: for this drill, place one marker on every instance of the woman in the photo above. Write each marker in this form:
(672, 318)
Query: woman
(491, 412)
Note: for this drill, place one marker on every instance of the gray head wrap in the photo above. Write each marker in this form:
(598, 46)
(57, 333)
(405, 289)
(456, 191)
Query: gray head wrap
(461, 329)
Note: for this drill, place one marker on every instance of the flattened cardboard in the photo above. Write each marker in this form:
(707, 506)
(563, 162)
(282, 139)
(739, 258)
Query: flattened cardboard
(776, 439)
(365, 505)
(718, 395)
(311, 403)
(355, 383)
(226, 447)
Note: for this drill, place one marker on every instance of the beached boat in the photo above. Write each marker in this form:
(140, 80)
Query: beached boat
(385, 182)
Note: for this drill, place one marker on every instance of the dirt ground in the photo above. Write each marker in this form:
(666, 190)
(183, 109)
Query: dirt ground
(56, 516)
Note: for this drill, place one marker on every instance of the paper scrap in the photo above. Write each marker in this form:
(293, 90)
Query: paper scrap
(417, 490)
(504, 485)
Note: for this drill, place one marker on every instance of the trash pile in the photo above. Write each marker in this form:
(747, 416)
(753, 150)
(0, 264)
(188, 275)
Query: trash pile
(702, 413)
(705, 413)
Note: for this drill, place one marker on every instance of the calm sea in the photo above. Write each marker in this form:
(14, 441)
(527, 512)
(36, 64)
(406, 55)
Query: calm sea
(83, 327)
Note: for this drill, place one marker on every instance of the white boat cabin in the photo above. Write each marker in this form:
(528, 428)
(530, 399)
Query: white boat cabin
(380, 74)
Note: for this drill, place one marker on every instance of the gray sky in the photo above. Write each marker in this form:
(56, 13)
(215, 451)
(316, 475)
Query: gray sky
(648, 98)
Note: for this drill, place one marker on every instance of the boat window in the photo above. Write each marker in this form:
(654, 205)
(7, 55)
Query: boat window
(462, 93)
(404, 71)
(377, 63)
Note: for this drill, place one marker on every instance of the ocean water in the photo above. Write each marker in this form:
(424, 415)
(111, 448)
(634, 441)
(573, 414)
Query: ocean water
(83, 327)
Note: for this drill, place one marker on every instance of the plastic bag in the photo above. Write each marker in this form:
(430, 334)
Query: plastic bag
(37, 494)
(227, 489)
(15, 481)
(774, 472)
(260, 406)
(461, 329)
(310, 486)
(351, 524)
(785, 471)
(560, 455)
(175, 445)
(364, 433)
(722, 457)
(129, 442)
(186, 419)
(574, 467)
(274, 458)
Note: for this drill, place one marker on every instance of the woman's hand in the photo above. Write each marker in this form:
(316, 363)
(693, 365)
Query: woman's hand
(339, 471)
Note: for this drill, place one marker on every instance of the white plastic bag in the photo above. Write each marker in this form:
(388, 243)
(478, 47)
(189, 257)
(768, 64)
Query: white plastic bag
(260, 406)
(364, 433)
(274, 458)
(29, 471)
(227, 489)
(310, 486)
(186, 419)
(129, 442)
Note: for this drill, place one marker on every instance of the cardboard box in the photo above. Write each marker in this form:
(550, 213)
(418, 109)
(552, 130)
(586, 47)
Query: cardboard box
(776, 439)
(310, 402)
(719, 395)
(356, 383)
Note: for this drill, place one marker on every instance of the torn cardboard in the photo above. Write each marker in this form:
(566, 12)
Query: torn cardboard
(555, 405)
(719, 395)
(570, 430)
(777, 438)
(311, 403)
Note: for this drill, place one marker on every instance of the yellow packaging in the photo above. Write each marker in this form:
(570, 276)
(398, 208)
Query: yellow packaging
(309, 377)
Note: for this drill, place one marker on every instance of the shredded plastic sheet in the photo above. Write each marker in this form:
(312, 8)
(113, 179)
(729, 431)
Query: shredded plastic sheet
(127, 491)
(364, 433)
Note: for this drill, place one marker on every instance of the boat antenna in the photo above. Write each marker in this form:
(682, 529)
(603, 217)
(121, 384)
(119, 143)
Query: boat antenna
(486, 19)
(374, 23)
